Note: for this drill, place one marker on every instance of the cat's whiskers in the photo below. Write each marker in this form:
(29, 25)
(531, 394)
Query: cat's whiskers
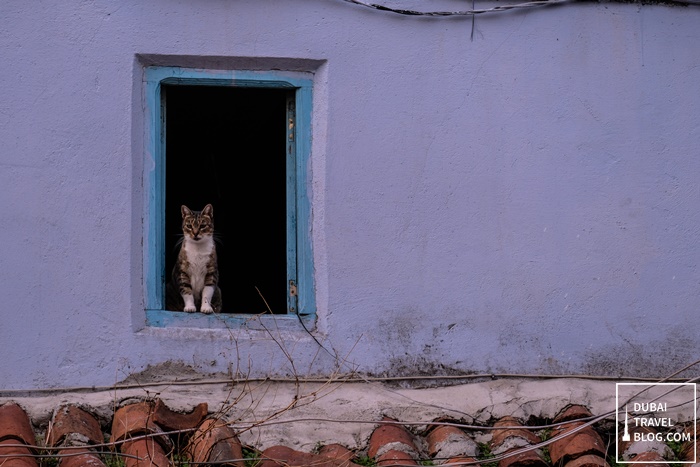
(178, 243)
(218, 238)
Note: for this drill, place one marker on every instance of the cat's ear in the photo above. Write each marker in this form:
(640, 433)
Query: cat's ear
(185, 211)
(208, 210)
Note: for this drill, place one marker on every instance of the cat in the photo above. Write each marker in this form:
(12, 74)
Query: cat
(195, 276)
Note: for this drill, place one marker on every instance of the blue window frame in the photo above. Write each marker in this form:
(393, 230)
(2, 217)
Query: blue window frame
(295, 89)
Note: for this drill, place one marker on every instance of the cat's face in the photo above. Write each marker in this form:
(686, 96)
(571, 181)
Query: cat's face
(198, 224)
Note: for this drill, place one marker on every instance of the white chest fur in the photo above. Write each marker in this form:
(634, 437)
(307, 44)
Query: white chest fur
(198, 256)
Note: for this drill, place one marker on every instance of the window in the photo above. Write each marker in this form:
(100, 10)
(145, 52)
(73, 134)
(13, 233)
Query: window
(239, 140)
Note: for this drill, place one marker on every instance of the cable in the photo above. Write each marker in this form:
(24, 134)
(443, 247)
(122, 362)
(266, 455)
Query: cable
(346, 378)
(471, 12)
(474, 12)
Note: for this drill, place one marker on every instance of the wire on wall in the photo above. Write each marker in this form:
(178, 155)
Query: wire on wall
(475, 11)
(471, 12)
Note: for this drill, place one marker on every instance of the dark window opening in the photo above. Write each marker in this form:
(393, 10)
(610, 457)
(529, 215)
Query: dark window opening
(227, 146)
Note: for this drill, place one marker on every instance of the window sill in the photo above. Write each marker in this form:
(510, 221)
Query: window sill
(174, 319)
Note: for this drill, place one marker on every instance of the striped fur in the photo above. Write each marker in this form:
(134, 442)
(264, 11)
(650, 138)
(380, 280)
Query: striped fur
(195, 276)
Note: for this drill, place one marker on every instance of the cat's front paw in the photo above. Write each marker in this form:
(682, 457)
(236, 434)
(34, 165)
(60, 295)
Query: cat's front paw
(207, 309)
(190, 309)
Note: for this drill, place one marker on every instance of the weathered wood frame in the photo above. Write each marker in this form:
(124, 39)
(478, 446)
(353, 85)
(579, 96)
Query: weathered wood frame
(300, 280)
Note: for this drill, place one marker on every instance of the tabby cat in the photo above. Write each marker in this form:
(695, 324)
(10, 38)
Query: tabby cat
(195, 276)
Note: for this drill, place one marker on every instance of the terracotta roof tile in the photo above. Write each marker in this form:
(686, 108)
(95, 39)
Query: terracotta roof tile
(651, 459)
(72, 458)
(511, 436)
(10, 448)
(590, 460)
(394, 456)
(214, 441)
(144, 452)
(391, 437)
(15, 424)
(135, 420)
(572, 412)
(337, 452)
(277, 456)
(631, 449)
(447, 441)
(689, 448)
(171, 420)
(16, 435)
(73, 426)
(150, 433)
(577, 444)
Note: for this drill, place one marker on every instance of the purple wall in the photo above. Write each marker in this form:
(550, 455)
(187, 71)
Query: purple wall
(523, 202)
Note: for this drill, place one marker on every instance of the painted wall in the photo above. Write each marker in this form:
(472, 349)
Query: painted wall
(523, 201)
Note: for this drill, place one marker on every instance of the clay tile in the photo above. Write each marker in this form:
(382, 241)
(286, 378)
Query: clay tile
(622, 446)
(509, 440)
(276, 456)
(137, 419)
(337, 451)
(688, 448)
(688, 451)
(79, 459)
(651, 459)
(507, 422)
(437, 423)
(450, 441)
(530, 458)
(459, 460)
(215, 441)
(632, 448)
(144, 452)
(171, 420)
(510, 431)
(72, 420)
(394, 456)
(19, 462)
(576, 444)
(572, 412)
(15, 424)
(10, 447)
(589, 460)
(390, 436)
